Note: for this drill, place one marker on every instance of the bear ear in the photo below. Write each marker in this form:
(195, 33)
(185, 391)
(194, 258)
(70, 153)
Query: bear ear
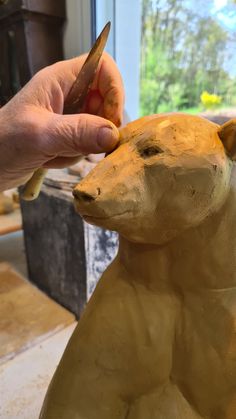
(227, 134)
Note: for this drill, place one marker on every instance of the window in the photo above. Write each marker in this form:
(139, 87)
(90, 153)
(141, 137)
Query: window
(124, 44)
(85, 21)
(174, 55)
(188, 55)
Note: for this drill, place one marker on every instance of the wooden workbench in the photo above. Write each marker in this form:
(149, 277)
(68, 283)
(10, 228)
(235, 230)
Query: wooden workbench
(10, 223)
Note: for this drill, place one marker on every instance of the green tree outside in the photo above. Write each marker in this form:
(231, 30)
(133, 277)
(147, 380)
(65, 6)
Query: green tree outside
(185, 50)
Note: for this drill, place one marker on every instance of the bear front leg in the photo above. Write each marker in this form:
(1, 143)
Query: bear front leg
(167, 402)
(88, 395)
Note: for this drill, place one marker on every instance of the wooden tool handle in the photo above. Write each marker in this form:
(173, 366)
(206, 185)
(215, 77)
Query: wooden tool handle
(33, 186)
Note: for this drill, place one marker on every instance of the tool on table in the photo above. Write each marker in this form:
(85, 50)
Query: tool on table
(73, 104)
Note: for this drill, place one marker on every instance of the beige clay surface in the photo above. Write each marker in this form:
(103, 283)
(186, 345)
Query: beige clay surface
(27, 316)
(6, 204)
(11, 222)
(157, 339)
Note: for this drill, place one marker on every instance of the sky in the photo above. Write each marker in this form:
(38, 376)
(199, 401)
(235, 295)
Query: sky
(225, 14)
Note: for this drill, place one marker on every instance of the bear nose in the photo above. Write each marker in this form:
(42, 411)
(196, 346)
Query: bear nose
(86, 196)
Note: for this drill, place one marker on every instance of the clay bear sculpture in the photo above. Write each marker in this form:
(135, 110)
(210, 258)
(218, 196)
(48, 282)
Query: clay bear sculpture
(157, 339)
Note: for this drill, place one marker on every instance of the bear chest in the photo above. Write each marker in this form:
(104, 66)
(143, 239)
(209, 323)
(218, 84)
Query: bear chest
(204, 353)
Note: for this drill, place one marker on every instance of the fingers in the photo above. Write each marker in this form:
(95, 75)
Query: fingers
(94, 103)
(73, 135)
(61, 162)
(50, 87)
(107, 93)
(111, 88)
(113, 109)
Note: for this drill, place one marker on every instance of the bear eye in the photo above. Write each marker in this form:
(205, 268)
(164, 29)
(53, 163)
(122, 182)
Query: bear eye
(150, 151)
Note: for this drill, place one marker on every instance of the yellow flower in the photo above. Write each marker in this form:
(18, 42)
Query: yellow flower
(209, 100)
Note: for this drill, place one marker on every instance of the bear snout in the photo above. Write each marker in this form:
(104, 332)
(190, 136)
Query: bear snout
(86, 196)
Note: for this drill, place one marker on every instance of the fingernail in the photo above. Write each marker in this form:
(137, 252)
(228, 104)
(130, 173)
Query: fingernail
(107, 138)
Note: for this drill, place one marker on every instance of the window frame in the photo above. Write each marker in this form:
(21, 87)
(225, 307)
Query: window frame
(85, 21)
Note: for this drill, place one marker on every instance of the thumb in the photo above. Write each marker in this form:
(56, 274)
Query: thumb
(71, 135)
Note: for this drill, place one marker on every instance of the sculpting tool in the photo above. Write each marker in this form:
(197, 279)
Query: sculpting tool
(74, 103)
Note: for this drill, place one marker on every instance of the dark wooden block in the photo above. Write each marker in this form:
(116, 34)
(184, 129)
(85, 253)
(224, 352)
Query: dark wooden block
(65, 256)
(54, 242)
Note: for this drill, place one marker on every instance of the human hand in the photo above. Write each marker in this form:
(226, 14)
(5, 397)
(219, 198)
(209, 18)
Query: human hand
(34, 133)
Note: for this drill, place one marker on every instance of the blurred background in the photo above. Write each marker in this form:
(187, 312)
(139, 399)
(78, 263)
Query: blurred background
(188, 55)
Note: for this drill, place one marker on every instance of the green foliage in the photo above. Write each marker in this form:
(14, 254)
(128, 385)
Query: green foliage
(184, 52)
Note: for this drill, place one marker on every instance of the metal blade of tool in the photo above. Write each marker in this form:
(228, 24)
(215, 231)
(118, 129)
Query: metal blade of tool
(74, 103)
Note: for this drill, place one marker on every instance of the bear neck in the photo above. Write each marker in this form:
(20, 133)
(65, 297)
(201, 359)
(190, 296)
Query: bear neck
(203, 257)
